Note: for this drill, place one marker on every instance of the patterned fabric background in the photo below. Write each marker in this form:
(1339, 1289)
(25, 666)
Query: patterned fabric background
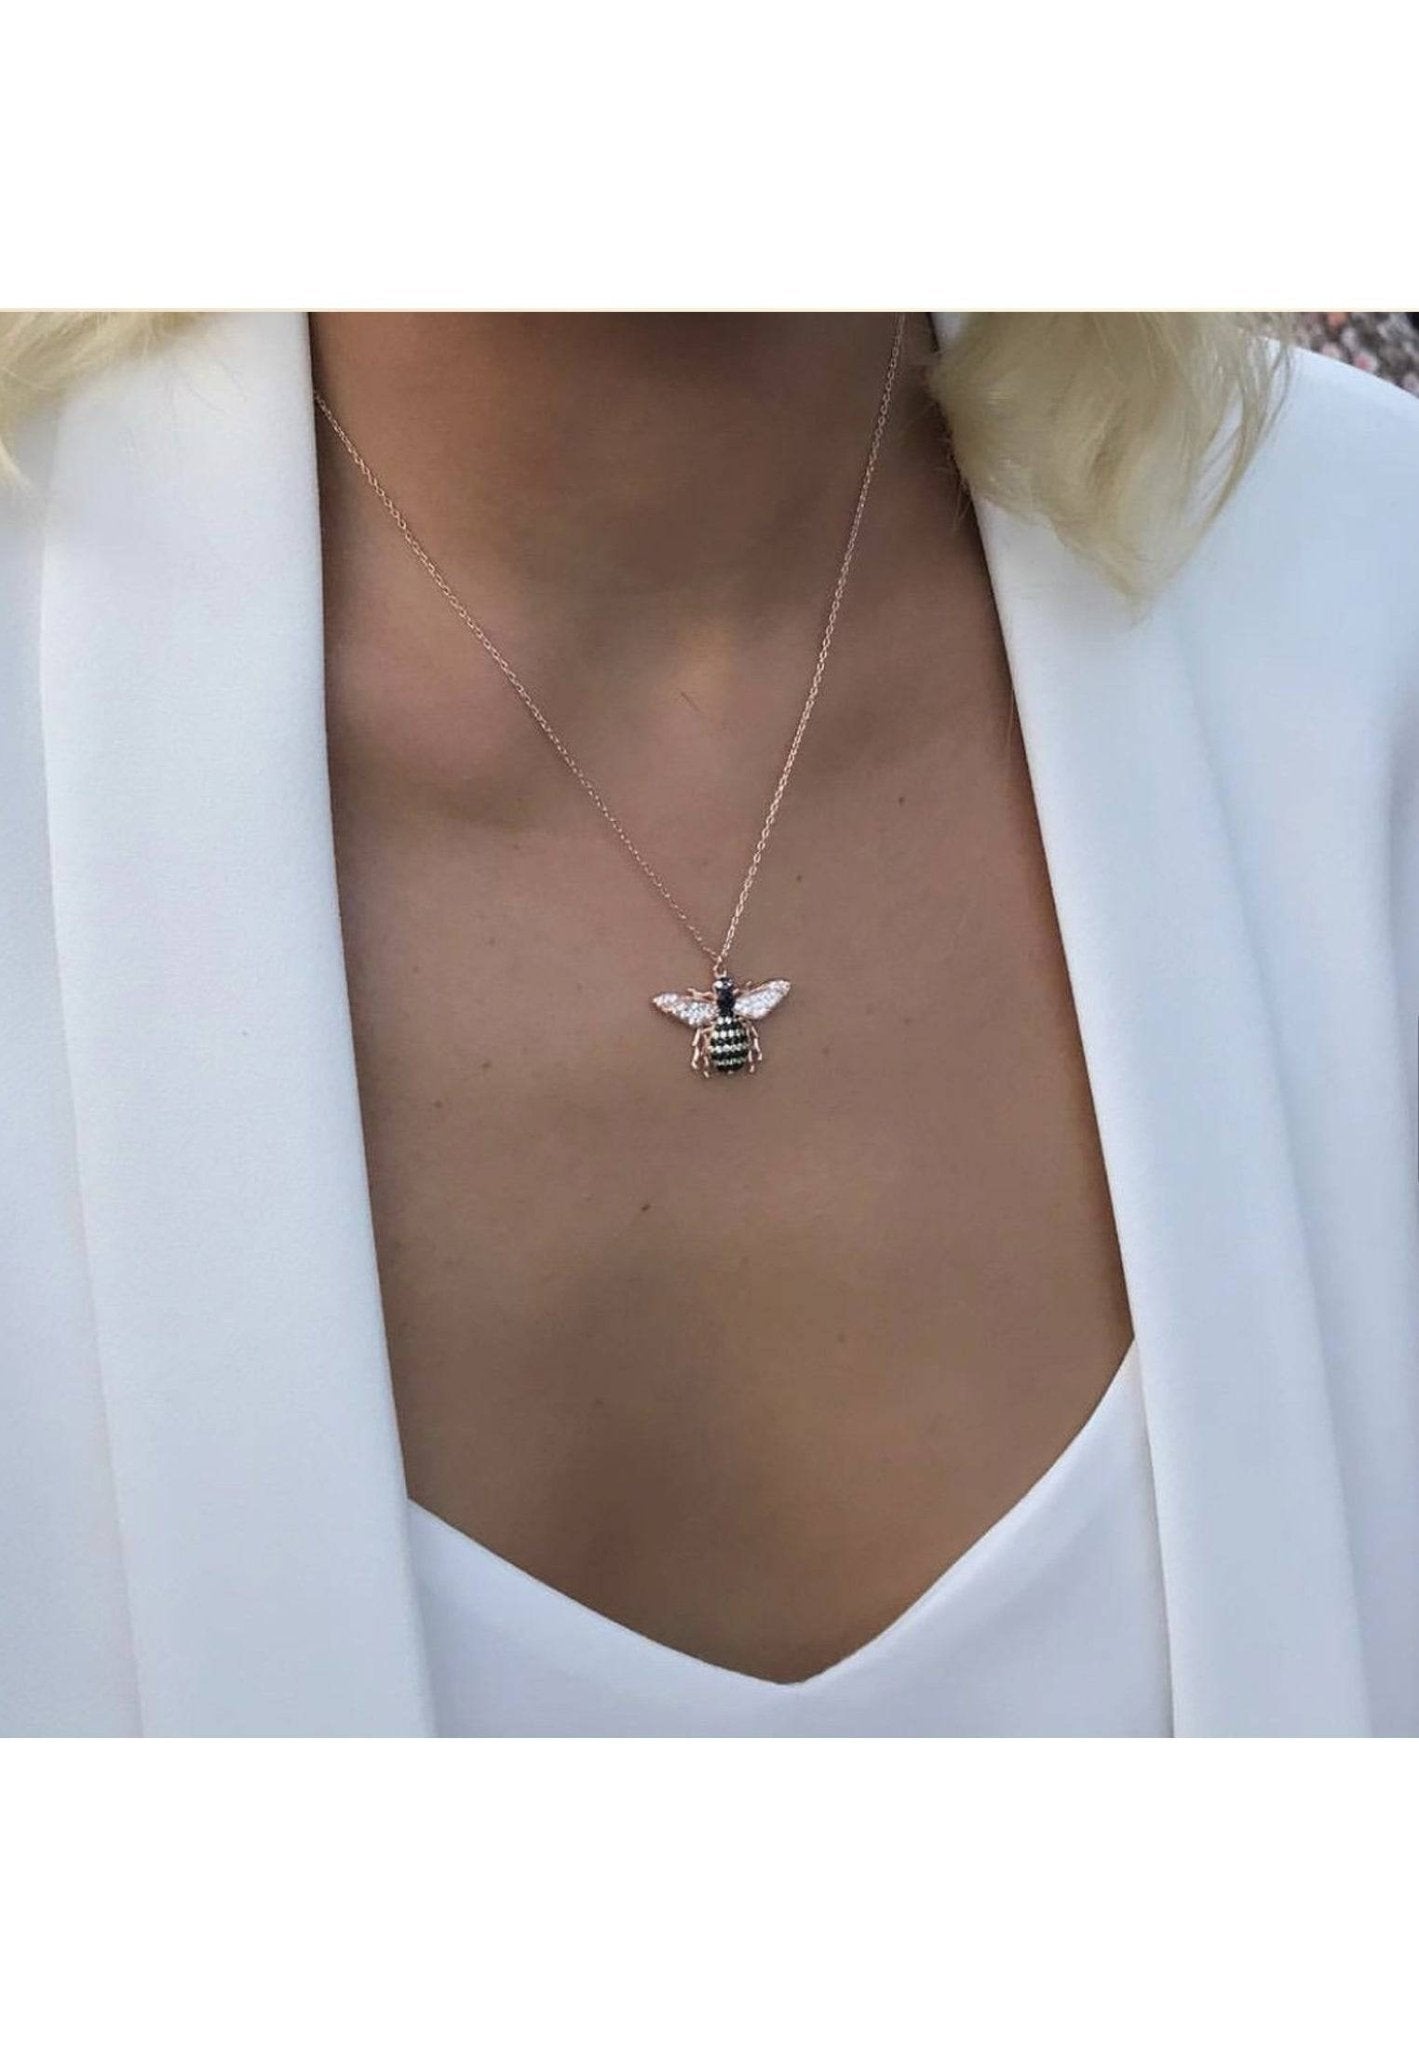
(1386, 343)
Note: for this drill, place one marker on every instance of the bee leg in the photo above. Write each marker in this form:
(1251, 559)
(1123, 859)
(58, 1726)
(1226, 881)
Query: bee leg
(756, 1052)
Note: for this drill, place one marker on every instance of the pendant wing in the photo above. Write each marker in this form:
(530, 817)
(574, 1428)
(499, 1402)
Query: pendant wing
(693, 1010)
(753, 1003)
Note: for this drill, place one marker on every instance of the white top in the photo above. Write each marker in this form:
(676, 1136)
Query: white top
(1051, 1624)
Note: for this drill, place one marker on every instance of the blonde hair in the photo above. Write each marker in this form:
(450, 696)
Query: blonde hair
(1124, 431)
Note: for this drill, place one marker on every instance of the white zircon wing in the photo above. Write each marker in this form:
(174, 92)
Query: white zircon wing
(754, 1003)
(691, 1010)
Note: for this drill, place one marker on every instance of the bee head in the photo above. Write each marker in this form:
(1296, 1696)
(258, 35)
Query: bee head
(724, 994)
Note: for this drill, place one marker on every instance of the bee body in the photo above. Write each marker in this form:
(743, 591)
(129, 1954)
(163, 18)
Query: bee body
(732, 1045)
(723, 1020)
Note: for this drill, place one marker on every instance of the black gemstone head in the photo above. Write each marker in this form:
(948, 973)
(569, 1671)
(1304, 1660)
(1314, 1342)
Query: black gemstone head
(724, 994)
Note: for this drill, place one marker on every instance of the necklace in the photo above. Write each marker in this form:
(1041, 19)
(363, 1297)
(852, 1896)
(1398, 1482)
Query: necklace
(723, 1017)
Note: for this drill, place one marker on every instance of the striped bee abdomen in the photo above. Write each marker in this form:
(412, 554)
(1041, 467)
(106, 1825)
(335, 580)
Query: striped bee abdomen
(728, 1045)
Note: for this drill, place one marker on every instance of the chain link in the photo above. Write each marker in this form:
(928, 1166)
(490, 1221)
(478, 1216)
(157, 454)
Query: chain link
(718, 955)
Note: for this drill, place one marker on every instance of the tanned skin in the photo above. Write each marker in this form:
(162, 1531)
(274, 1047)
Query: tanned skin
(744, 1364)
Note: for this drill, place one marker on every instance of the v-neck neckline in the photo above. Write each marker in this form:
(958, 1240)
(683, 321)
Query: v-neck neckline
(469, 1572)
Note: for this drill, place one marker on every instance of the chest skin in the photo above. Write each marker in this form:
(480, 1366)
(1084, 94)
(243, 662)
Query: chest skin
(743, 1362)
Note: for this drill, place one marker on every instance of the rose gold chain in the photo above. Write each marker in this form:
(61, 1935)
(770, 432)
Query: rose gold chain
(718, 955)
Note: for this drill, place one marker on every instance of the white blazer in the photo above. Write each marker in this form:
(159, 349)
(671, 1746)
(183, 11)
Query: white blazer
(202, 1510)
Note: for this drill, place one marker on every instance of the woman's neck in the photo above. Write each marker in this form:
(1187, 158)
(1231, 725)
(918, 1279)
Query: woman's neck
(588, 459)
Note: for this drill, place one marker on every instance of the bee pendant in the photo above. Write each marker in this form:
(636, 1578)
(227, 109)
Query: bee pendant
(723, 1023)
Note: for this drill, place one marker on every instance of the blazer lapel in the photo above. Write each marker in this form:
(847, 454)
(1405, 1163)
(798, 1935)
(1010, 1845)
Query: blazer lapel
(1262, 1615)
(239, 1333)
